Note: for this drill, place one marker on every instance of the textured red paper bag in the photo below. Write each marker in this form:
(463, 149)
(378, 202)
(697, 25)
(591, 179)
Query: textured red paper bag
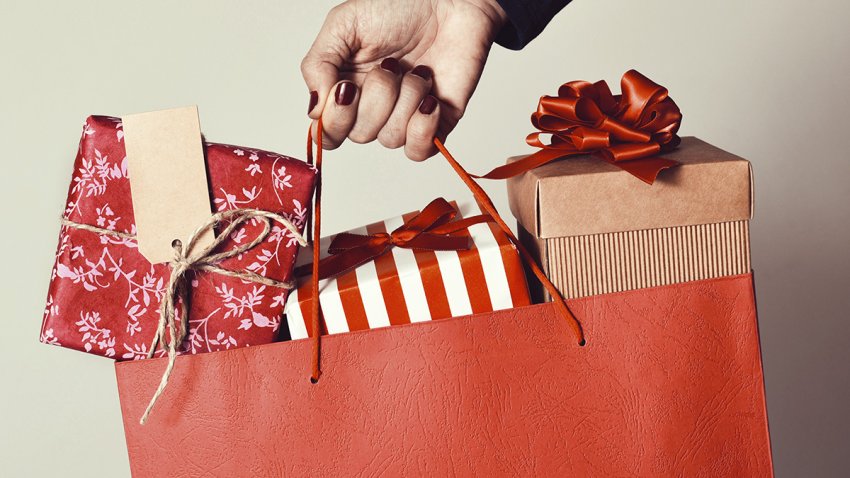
(104, 295)
(669, 384)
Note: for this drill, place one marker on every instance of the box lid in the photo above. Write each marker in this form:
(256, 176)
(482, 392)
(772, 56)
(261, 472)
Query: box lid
(584, 195)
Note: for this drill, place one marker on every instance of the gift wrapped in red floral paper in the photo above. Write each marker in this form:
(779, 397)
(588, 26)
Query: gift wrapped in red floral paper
(440, 262)
(104, 295)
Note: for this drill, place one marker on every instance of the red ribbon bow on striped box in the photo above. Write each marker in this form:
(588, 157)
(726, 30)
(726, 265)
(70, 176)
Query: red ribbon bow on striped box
(440, 262)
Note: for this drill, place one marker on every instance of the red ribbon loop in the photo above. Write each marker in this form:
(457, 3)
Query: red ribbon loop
(433, 229)
(629, 129)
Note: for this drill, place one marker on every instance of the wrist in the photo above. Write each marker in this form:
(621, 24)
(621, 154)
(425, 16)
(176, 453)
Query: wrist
(493, 11)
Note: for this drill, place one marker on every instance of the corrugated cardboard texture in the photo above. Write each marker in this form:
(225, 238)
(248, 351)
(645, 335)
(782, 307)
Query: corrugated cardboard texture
(612, 262)
(168, 180)
(584, 195)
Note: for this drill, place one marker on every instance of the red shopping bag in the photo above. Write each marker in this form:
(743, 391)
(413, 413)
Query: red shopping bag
(665, 381)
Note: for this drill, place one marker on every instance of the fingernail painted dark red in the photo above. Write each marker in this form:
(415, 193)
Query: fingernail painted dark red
(314, 99)
(391, 65)
(422, 71)
(428, 105)
(345, 92)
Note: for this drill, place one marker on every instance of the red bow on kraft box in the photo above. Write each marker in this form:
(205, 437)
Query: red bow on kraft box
(437, 263)
(629, 130)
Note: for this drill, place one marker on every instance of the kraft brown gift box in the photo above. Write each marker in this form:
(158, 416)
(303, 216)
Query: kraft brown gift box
(596, 229)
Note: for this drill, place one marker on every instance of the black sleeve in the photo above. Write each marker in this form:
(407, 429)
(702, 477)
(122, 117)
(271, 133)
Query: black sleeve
(526, 20)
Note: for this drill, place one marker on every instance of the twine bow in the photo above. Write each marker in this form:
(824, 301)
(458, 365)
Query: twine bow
(433, 229)
(629, 130)
(187, 259)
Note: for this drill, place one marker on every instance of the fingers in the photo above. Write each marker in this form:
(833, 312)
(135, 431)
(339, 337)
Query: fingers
(414, 87)
(396, 109)
(380, 91)
(320, 67)
(320, 76)
(421, 130)
(339, 114)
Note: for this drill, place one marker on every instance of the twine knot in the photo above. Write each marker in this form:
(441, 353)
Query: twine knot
(186, 259)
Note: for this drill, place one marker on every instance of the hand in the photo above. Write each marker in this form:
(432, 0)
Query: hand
(399, 71)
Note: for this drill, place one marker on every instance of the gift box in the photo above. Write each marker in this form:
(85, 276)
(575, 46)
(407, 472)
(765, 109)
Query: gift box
(596, 229)
(411, 282)
(628, 361)
(104, 295)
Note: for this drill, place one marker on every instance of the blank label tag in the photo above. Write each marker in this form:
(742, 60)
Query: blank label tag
(168, 180)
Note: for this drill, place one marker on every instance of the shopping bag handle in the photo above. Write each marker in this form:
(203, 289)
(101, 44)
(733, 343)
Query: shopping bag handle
(480, 196)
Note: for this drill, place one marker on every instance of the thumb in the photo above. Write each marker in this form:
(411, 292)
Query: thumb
(320, 67)
(320, 76)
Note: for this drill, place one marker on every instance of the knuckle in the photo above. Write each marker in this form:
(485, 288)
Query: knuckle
(458, 113)
(411, 89)
(336, 11)
(391, 139)
(416, 83)
(411, 97)
(416, 154)
(340, 18)
(417, 134)
(330, 144)
(381, 88)
(360, 137)
(310, 62)
(418, 144)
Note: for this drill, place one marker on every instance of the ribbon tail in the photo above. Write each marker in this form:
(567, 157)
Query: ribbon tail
(432, 242)
(646, 169)
(334, 265)
(461, 225)
(544, 156)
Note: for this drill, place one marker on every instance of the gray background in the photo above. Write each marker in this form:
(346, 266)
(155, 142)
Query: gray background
(764, 79)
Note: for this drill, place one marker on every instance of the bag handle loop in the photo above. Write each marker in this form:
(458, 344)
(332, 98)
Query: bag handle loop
(480, 196)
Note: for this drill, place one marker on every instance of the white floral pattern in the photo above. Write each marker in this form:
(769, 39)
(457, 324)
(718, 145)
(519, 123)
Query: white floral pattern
(104, 296)
(95, 334)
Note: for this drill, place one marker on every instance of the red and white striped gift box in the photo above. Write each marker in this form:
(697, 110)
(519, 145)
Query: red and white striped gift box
(406, 285)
